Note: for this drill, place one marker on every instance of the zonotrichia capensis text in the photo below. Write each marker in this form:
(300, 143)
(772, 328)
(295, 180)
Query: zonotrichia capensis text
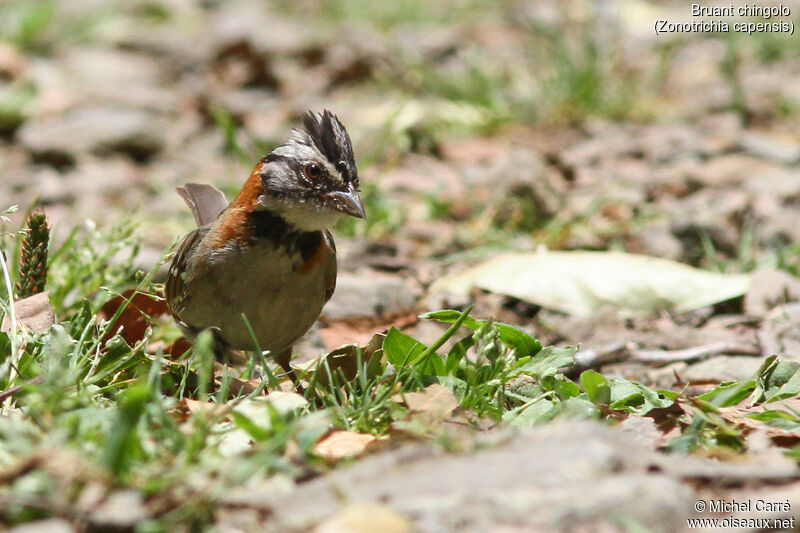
(267, 255)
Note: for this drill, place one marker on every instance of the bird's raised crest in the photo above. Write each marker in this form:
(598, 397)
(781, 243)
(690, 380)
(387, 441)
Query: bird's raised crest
(330, 137)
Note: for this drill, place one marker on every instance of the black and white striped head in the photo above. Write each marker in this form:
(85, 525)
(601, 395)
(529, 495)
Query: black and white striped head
(311, 180)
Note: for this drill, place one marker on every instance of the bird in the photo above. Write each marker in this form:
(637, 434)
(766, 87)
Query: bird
(269, 255)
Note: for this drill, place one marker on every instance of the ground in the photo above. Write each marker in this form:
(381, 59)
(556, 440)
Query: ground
(480, 131)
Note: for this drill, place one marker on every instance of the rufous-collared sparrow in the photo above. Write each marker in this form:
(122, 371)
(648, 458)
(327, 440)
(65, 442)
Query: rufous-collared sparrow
(268, 255)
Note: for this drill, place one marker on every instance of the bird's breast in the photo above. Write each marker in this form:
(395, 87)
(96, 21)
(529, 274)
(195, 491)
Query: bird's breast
(280, 289)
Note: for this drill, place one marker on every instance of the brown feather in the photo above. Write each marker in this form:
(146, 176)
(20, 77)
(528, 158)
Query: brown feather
(232, 223)
(174, 289)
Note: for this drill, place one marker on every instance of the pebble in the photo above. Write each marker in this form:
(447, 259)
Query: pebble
(102, 129)
(369, 294)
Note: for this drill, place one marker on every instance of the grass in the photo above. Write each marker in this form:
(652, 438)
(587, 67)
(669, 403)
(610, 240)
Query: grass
(386, 16)
(115, 409)
(88, 408)
(41, 26)
(26, 24)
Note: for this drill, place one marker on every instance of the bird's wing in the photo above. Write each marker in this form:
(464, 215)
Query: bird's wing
(205, 201)
(174, 288)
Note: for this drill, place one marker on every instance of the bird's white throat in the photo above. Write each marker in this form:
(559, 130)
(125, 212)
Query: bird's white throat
(304, 216)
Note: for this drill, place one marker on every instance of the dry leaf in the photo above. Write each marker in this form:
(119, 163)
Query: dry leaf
(581, 283)
(34, 313)
(346, 360)
(134, 319)
(738, 415)
(177, 348)
(365, 517)
(435, 399)
(342, 333)
(341, 444)
(210, 409)
(12, 61)
(240, 387)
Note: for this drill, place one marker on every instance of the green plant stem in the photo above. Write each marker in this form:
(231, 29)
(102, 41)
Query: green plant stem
(12, 318)
(430, 350)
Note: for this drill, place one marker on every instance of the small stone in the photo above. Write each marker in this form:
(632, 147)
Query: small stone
(657, 240)
(641, 430)
(52, 525)
(34, 312)
(424, 175)
(782, 328)
(723, 368)
(369, 294)
(665, 142)
(781, 149)
(732, 169)
(122, 510)
(366, 518)
(134, 132)
(713, 213)
(780, 231)
(768, 289)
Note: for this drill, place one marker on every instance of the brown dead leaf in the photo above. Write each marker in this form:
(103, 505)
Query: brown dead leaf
(135, 318)
(340, 444)
(671, 420)
(187, 407)
(366, 517)
(12, 61)
(432, 411)
(34, 313)
(739, 416)
(361, 330)
(173, 351)
(340, 333)
(345, 360)
(436, 399)
(65, 467)
(208, 408)
(240, 387)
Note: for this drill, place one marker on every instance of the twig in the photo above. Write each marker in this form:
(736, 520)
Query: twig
(687, 354)
(611, 353)
(621, 352)
(8, 393)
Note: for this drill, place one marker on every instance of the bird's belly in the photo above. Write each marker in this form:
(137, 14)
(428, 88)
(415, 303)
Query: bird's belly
(279, 302)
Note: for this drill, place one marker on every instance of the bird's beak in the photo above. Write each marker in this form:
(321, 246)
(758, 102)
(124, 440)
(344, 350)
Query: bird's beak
(348, 202)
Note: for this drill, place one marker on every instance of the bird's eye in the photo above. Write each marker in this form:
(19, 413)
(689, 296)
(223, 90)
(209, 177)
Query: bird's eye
(312, 171)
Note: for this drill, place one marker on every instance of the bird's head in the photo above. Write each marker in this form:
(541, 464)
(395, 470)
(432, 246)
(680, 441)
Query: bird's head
(311, 180)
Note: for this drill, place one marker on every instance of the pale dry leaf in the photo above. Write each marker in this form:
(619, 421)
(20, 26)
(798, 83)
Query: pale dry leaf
(582, 283)
(34, 313)
(256, 410)
(366, 517)
(435, 399)
(284, 402)
(342, 444)
(209, 409)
